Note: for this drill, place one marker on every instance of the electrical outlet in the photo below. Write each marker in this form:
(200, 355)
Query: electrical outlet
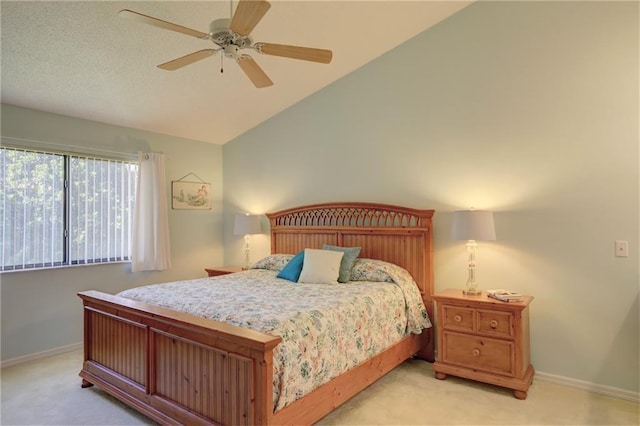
(622, 248)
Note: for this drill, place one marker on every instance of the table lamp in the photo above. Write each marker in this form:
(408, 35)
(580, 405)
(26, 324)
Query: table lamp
(246, 224)
(473, 225)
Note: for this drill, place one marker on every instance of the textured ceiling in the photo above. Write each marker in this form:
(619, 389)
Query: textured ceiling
(79, 58)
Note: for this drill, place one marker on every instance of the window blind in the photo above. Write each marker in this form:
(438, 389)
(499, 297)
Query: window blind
(59, 209)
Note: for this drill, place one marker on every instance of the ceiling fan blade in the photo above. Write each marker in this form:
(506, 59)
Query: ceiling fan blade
(295, 52)
(247, 15)
(126, 13)
(187, 59)
(254, 72)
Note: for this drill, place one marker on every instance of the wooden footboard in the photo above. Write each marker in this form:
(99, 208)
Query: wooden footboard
(177, 368)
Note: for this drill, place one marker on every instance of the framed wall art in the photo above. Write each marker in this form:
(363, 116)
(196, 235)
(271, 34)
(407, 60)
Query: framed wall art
(190, 195)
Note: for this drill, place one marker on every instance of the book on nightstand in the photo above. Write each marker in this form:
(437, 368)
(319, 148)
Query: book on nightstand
(504, 295)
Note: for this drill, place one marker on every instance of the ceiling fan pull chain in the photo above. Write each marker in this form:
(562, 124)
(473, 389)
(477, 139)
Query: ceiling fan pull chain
(221, 64)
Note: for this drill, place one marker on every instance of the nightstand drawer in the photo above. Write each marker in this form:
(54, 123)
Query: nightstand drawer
(479, 353)
(457, 318)
(495, 323)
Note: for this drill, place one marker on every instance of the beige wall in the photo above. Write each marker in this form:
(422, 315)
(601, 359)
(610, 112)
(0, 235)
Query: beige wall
(40, 309)
(529, 109)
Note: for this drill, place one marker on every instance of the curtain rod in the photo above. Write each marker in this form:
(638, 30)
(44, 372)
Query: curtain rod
(71, 149)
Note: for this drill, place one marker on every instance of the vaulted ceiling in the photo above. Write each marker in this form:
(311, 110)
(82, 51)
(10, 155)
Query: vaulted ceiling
(80, 58)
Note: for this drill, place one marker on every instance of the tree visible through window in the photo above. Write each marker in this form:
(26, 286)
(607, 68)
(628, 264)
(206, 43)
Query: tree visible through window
(60, 209)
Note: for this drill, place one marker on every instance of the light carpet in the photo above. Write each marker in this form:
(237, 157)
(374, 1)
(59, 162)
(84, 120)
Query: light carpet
(48, 392)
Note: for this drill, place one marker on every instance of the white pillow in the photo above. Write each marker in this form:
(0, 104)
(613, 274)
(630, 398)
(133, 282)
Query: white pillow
(321, 266)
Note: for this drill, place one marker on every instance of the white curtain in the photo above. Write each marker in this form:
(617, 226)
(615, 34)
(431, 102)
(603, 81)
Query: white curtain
(150, 241)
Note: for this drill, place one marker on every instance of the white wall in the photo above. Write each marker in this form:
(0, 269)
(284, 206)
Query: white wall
(529, 109)
(40, 309)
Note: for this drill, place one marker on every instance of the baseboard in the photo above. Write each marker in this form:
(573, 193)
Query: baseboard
(587, 386)
(38, 355)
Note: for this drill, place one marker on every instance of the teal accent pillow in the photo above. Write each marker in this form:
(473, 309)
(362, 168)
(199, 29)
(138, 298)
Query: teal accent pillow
(348, 259)
(291, 270)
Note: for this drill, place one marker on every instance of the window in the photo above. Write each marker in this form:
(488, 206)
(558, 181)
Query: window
(58, 209)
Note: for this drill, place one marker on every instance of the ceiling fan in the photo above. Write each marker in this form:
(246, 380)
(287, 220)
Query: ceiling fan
(231, 36)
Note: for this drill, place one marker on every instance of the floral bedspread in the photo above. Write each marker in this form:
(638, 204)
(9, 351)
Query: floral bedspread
(325, 329)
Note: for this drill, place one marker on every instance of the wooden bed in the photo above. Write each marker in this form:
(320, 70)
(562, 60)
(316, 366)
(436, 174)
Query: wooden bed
(133, 350)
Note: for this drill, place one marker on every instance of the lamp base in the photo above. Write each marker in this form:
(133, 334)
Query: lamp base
(471, 286)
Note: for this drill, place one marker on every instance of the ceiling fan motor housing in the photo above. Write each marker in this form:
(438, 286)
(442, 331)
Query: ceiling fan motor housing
(222, 36)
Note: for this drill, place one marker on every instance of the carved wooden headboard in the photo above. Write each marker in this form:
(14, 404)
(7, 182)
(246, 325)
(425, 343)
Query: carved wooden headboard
(394, 234)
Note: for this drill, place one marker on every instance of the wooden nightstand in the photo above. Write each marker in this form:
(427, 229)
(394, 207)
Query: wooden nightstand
(484, 339)
(222, 270)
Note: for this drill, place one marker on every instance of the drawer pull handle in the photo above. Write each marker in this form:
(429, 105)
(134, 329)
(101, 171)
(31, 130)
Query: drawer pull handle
(475, 352)
(494, 324)
(457, 318)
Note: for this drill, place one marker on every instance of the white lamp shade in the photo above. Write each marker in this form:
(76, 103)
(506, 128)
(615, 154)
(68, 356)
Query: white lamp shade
(245, 224)
(473, 225)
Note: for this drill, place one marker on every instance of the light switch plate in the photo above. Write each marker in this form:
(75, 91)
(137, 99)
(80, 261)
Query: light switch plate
(622, 248)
